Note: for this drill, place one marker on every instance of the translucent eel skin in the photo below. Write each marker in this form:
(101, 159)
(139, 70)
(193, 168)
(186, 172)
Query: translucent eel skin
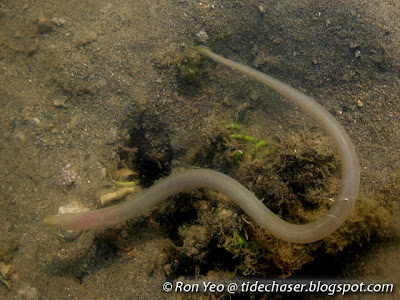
(245, 199)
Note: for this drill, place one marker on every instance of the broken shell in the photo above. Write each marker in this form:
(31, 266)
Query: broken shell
(125, 173)
(5, 274)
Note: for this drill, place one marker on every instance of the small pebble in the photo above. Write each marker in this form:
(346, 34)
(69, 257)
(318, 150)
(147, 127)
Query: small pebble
(176, 145)
(58, 21)
(103, 172)
(378, 58)
(86, 38)
(112, 138)
(202, 36)
(60, 102)
(255, 95)
(68, 177)
(354, 45)
(102, 82)
(44, 25)
(33, 121)
(125, 173)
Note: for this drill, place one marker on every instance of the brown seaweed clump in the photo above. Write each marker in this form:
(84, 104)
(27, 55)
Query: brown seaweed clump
(296, 177)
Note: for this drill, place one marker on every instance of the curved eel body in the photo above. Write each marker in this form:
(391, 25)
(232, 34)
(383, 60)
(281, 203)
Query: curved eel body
(245, 199)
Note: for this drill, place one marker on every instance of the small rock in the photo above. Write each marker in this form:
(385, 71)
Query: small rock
(44, 25)
(176, 145)
(103, 172)
(202, 36)
(75, 121)
(354, 45)
(125, 173)
(327, 23)
(33, 121)
(102, 82)
(68, 177)
(112, 138)
(60, 102)
(86, 38)
(378, 58)
(58, 21)
(255, 95)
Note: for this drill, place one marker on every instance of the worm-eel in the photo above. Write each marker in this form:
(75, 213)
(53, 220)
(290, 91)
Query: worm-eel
(205, 178)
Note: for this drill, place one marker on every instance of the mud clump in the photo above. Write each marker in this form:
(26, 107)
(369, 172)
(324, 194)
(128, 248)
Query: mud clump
(195, 241)
(186, 65)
